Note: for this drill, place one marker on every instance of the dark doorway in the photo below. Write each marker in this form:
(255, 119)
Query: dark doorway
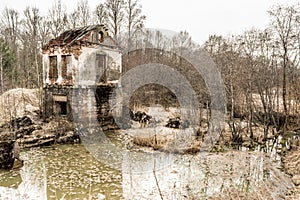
(63, 108)
(60, 106)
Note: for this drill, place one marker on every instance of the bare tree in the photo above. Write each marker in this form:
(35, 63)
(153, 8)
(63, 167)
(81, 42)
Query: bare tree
(30, 37)
(284, 24)
(7, 60)
(44, 31)
(83, 13)
(101, 14)
(10, 25)
(81, 16)
(115, 16)
(226, 53)
(182, 41)
(57, 18)
(10, 29)
(73, 20)
(135, 19)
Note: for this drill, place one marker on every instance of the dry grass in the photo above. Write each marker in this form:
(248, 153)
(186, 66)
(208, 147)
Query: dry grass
(291, 163)
(236, 165)
(148, 138)
(165, 139)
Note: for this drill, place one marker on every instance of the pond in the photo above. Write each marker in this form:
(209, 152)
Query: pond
(71, 172)
(61, 172)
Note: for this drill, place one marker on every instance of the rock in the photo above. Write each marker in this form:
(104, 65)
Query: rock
(296, 180)
(173, 123)
(18, 164)
(6, 154)
(33, 134)
(141, 117)
(16, 150)
(21, 121)
(28, 140)
(5, 135)
(17, 123)
(105, 128)
(101, 196)
(69, 137)
(27, 130)
(247, 144)
(46, 142)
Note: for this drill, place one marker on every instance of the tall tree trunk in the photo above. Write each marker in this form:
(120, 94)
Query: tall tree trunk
(250, 111)
(284, 89)
(1, 73)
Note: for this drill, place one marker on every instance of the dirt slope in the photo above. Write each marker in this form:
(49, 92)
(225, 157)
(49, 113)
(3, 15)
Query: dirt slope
(18, 102)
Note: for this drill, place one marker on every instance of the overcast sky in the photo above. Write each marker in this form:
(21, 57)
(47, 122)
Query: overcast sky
(200, 18)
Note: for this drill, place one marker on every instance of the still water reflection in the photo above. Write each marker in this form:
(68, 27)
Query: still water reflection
(71, 172)
(61, 172)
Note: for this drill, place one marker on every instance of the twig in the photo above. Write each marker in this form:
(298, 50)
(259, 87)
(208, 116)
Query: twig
(157, 182)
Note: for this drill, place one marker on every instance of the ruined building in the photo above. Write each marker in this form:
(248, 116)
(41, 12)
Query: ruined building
(85, 57)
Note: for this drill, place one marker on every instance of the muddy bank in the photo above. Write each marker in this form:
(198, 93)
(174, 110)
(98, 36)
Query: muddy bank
(25, 132)
(37, 133)
(163, 129)
(164, 133)
(55, 131)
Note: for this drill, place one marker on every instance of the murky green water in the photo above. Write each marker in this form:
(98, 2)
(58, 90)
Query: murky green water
(71, 172)
(62, 172)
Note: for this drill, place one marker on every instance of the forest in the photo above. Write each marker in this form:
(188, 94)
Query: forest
(260, 68)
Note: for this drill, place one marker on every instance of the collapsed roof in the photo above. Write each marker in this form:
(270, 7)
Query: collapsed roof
(83, 35)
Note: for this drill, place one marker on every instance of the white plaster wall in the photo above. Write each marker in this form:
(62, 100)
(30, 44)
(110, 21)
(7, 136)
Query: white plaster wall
(86, 65)
(74, 67)
(87, 70)
(116, 57)
(59, 72)
(46, 64)
(84, 71)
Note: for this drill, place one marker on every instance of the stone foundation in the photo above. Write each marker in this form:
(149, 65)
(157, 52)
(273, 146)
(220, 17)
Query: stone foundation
(80, 104)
